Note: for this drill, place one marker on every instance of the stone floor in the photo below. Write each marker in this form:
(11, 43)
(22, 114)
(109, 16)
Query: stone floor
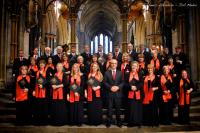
(7, 118)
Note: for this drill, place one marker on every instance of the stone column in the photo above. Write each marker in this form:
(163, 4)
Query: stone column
(124, 18)
(14, 31)
(73, 18)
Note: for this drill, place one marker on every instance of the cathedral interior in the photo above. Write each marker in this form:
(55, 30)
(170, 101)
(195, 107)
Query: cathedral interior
(27, 24)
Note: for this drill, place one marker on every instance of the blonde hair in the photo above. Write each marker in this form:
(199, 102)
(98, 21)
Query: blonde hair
(124, 55)
(72, 71)
(98, 71)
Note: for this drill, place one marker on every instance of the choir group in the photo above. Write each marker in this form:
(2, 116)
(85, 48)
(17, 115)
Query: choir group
(146, 85)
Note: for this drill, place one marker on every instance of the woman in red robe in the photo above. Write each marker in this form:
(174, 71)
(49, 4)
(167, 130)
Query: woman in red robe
(167, 87)
(186, 86)
(76, 95)
(22, 100)
(59, 114)
(135, 96)
(93, 95)
(151, 98)
(41, 106)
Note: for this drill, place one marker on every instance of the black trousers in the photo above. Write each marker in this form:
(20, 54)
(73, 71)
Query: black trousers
(114, 102)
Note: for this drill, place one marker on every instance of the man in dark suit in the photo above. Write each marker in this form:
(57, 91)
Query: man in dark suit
(114, 83)
(131, 52)
(47, 54)
(18, 62)
(146, 54)
(180, 60)
(117, 54)
(58, 57)
(86, 55)
(35, 55)
(101, 55)
(73, 56)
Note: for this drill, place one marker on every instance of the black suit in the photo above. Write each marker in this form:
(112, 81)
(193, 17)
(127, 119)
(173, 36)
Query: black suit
(45, 57)
(56, 59)
(118, 57)
(17, 64)
(114, 97)
(133, 55)
(72, 59)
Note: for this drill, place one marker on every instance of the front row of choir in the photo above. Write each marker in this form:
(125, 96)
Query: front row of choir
(58, 97)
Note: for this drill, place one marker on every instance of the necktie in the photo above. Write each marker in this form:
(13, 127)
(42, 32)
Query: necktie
(114, 75)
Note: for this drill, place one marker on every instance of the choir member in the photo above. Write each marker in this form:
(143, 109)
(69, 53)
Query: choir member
(145, 53)
(35, 55)
(76, 95)
(32, 70)
(142, 65)
(83, 67)
(66, 65)
(114, 82)
(107, 63)
(93, 95)
(47, 53)
(151, 98)
(18, 62)
(59, 114)
(58, 57)
(22, 101)
(186, 86)
(73, 56)
(95, 60)
(155, 61)
(86, 55)
(41, 106)
(164, 57)
(101, 55)
(131, 52)
(167, 86)
(125, 66)
(117, 54)
(180, 60)
(125, 70)
(134, 84)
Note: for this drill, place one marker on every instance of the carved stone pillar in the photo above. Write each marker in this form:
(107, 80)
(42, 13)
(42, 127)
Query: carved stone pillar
(124, 18)
(14, 31)
(73, 18)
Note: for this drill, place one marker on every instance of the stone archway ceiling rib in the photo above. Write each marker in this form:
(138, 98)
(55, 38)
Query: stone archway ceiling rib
(100, 16)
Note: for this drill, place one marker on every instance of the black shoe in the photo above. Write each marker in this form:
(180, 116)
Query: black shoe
(119, 124)
(108, 125)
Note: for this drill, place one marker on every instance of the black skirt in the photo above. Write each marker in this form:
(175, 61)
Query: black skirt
(41, 111)
(135, 113)
(23, 114)
(95, 112)
(76, 113)
(59, 112)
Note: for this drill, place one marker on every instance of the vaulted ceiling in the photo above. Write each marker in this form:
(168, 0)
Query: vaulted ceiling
(100, 16)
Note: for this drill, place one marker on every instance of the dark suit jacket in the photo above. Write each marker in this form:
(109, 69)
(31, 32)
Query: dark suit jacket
(118, 58)
(72, 59)
(56, 59)
(45, 57)
(17, 64)
(109, 82)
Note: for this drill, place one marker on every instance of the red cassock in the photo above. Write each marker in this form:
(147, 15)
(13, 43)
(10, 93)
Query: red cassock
(166, 96)
(20, 94)
(183, 98)
(156, 63)
(49, 65)
(132, 93)
(148, 92)
(72, 96)
(89, 89)
(58, 93)
(40, 92)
